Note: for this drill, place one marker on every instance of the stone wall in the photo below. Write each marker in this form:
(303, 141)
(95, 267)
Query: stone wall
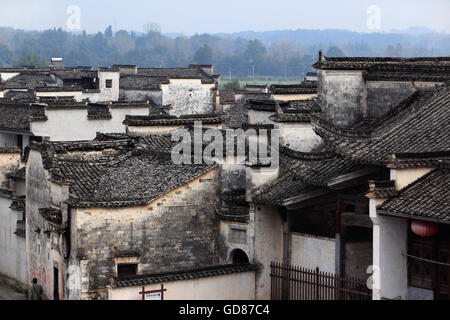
(13, 259)
(43, 248)
(177, 231)
(9, 162)
(266, 226)
(384, 95)
(298, 136)
(141, 95)
(342, 96)
(346, 98)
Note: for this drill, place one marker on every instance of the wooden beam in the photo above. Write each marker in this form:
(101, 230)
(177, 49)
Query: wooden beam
(350, 179)
(293, 202)
(352, 219)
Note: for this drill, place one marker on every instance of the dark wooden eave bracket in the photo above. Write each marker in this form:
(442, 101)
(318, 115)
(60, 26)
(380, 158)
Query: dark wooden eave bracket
(295, 202)
(352, 219)
(351, 179)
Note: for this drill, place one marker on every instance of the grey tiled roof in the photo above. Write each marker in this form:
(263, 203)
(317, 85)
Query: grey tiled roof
(381, 189)
(57, 100)
(161, 119)
(264, 104)
(29, 80)
(123, 174)
(361, 63)
(305, 87)
(18, 174)
(235, 116)
(426, 198)
(307, 105)
(286, 186)
(75, 74)
(20, 95)
(98, 112)
(158, 142)
(424, 159)
(420, 124)
(177, 73)
(433, 73)
(290, 117)
(18, 203)
(296, 111)
(304, 172)
(18, 116)
(227, 96)
(188, 274)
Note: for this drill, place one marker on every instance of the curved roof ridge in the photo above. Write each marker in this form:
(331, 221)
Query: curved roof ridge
(307, 155)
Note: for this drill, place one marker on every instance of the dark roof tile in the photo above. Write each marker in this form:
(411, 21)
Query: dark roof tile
(426, 198)
(420, 124)
(183, 275)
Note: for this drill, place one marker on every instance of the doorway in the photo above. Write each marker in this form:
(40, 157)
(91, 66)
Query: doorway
(55, 284)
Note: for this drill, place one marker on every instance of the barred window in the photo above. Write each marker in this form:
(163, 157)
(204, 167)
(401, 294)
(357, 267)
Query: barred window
(126, 269)
(238, 235)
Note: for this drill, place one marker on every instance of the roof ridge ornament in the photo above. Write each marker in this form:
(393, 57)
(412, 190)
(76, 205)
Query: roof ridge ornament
(322, 58)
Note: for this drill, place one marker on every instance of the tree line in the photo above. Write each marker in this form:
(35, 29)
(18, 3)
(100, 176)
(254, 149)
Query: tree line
(233, 57)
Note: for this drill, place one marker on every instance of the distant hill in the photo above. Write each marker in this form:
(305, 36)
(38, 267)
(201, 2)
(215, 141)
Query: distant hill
(247, 55)
(414, 36)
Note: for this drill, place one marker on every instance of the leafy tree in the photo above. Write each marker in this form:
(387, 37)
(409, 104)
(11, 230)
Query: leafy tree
(394, 51)
(6, 55)
(234, 57)
(108, 32)
(29, 60)
(204, 55)
(255, 51)
(334, 51)
(235, 84)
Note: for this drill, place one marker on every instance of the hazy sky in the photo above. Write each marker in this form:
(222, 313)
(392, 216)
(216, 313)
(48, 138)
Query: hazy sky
(214, 16)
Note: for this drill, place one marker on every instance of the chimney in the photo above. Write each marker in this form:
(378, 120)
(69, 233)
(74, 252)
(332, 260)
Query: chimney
(207, 68)
(321, 56)
(56, 64)
(127, 68)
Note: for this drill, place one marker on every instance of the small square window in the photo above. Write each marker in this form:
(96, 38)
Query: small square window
(108, 83)
(238, 235)
(126, 269)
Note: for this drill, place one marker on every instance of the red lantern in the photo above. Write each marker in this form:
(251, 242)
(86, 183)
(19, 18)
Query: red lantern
(424, 228)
